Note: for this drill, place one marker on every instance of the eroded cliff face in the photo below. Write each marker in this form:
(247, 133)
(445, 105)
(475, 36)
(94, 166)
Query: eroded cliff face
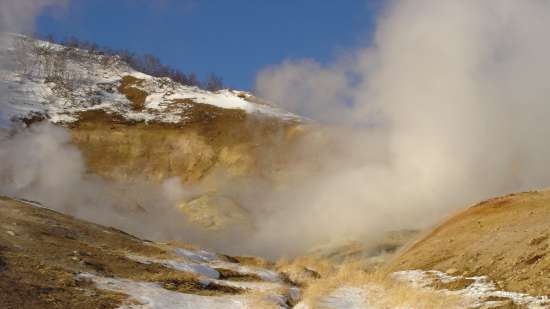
(213, 140)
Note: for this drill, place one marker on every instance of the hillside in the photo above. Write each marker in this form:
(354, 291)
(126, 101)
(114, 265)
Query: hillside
(505, 238)
(492, 255)
(58, 83)
(49, 260)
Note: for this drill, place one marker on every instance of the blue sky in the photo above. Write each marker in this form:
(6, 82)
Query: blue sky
(233, 38)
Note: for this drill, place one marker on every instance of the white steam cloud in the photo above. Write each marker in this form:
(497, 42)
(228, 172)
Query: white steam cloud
(449, 105)
(19, 15)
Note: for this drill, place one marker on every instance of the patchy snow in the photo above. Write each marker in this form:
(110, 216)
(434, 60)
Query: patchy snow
(262, 273)
(248, 285)
(34, 84)
(195, 268)
(204, 264)
(153, 296)
(201, 262)
(196, 255)
(478, 293)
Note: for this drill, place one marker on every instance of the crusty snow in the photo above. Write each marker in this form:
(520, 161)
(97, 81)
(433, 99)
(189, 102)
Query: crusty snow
(202, 263)
(476, 293)
(481, 293)
(90, 82)
(200, 269)
(153, 296)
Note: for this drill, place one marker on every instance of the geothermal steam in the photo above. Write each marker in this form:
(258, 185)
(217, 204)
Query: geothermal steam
(453, 94)
(446, 107)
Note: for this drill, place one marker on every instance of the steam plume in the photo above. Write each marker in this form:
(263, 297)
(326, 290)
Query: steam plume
(449, 105)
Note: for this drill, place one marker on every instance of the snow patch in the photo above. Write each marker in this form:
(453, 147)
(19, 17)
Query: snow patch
(190, 267)
(153, 296)
(264, 274)
(476, 293)
(196, 256)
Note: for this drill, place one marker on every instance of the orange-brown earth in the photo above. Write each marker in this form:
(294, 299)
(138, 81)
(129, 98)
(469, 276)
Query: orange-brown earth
(505, 238)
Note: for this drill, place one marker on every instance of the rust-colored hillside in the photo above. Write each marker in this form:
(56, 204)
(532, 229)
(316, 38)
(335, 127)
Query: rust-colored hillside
(505, 238)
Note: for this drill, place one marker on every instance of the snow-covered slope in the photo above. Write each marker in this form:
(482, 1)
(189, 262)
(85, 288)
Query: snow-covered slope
(40, 79)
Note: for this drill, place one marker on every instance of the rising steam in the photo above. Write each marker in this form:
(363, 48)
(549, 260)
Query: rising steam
(449, 105)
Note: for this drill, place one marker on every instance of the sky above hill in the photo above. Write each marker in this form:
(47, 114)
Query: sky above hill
(235, 39)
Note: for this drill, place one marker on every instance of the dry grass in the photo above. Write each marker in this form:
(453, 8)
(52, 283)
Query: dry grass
(253, 261)
(304, 269)
(228, 274)
(384, 292)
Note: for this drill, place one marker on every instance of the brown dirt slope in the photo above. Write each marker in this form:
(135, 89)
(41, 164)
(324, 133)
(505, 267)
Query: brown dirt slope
(42, 251)
(505, 238)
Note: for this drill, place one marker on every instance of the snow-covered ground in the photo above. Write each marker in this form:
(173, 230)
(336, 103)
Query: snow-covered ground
(202, 263)
(87, 81)
(479, 292)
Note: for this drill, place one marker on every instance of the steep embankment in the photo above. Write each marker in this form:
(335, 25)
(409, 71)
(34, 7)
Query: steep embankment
(211, 140)
(50, 260)
(505, 238)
